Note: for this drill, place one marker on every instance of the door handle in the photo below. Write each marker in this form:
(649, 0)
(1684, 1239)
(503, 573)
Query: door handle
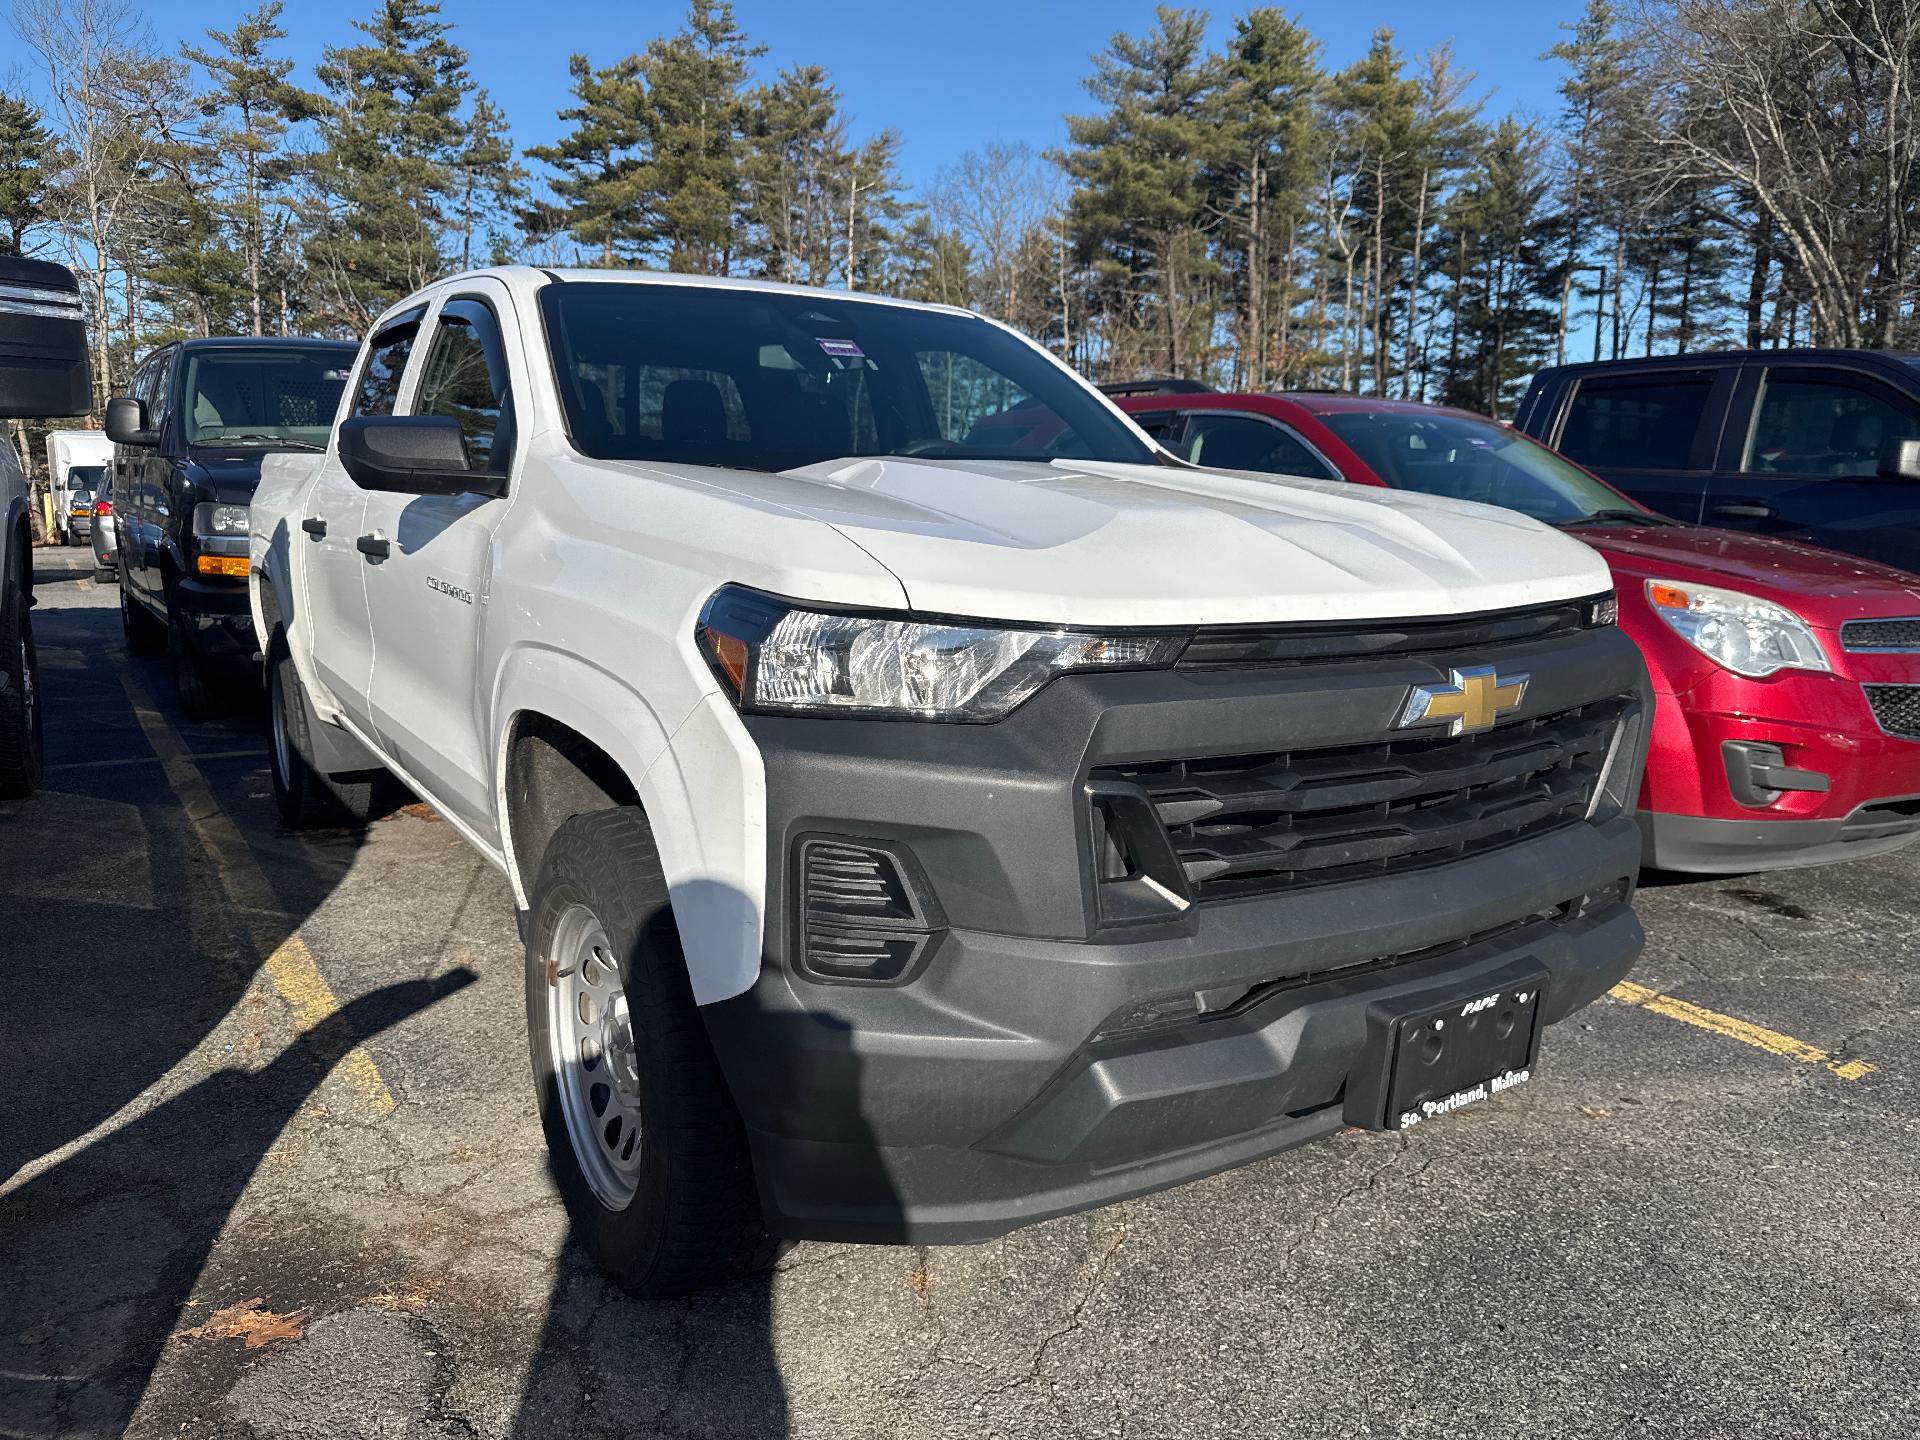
(1745, 510)
(373, 547)
(314, 526)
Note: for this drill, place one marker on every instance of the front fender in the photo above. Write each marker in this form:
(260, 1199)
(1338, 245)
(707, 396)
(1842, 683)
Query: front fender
(700, 782)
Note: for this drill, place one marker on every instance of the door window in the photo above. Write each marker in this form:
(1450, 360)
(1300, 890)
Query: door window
(1646, 423)
(1245, 442)
(379, 387)
(465, 379)
(1810, 424)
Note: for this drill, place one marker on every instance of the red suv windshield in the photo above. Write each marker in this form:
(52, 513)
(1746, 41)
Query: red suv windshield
(1467, 459)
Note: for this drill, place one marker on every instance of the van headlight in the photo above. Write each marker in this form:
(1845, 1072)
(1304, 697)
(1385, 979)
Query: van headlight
(1741, 633)
(776, 656)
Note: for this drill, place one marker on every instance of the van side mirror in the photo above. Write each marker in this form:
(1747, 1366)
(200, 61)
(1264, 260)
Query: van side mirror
(43, 342)
(410, 455)
(1900, 459)
(127, 422)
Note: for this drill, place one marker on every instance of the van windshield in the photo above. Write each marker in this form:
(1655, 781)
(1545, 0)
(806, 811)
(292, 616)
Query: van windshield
(758, 380)
(260, 399)
(85, 477)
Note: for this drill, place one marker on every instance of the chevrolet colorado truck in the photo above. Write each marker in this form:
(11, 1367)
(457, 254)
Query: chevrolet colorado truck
(919, 830)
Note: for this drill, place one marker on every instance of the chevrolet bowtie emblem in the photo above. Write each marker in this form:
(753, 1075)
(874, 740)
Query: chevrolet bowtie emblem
(1478, 696)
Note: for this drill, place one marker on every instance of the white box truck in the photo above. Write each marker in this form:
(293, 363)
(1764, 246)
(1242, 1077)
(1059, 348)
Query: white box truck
(77, 463)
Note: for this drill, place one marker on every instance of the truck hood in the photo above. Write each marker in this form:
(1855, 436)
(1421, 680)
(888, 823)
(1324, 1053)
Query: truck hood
(231, 475)
(1085, 543)
(1825, 588)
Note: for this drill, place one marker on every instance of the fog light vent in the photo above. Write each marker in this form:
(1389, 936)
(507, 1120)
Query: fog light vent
(861, 918)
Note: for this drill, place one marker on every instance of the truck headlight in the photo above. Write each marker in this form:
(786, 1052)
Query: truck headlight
(1741, 633)
(213, 519)
(773, 655)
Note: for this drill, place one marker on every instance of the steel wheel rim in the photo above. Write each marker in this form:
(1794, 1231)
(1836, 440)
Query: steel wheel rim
(595, 1063)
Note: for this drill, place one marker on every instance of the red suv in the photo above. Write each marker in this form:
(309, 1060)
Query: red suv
(1787, 679)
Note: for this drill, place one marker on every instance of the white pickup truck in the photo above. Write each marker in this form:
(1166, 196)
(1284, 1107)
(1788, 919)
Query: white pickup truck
(931, 807)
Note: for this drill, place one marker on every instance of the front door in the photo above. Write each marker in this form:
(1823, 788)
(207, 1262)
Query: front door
(1808, 466)
(427, 593)
(334, 622)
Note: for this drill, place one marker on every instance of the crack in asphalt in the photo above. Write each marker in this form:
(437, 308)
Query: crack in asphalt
(1097, 1274)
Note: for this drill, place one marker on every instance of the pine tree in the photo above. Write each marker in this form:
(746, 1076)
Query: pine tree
(1261, 179)
(490, 182)
(1596, 61)
(1137, 211)
(596, 194)
(691, 180)
(27, 152)
(798, 156)
(392, 136)
(247, 111)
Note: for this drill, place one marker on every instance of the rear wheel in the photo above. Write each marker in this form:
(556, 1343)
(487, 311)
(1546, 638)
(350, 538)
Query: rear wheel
(306, 798)
(144, 634)
(22, 734)
(649, 1152)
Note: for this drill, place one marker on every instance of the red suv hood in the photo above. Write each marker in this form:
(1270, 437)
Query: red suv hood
(1821, 586)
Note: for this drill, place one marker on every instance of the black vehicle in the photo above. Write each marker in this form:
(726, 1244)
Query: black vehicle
(1815, 445)
(190, 433)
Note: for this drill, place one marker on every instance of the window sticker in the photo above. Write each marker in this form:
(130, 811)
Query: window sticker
(843, 349)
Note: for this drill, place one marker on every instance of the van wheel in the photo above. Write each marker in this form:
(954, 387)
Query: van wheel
(648, 1149)
(144, 634)
(198, 701)
(306, 798)
(22, 734)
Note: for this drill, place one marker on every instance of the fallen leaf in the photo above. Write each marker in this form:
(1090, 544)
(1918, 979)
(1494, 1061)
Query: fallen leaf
(38, 1335)
(420, 810)
(247, 1321)
(920, 1281)
(1594, 1112)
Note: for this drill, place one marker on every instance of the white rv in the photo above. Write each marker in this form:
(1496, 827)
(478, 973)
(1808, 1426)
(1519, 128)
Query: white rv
(77, 463)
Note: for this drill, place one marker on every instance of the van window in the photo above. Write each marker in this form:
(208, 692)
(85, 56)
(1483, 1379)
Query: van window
(1643, 423)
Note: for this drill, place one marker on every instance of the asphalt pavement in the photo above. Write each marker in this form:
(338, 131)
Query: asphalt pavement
(269, 1167)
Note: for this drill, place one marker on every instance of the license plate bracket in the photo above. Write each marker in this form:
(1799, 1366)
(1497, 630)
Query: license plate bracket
(1430, 1054)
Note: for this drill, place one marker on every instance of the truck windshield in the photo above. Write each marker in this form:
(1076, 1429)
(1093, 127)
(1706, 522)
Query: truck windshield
(1467, 459)
(756, 380)
(262, 399)
(85, 477)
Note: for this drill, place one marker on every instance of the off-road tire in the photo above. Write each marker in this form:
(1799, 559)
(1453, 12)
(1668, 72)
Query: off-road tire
(22, 728)
(144, 634)
(694, 1219)
(306, 798)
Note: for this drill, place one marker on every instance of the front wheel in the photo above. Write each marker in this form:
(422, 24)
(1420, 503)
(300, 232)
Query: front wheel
(649, 1152)
(198, 700)
(22, 732)
(305, 797)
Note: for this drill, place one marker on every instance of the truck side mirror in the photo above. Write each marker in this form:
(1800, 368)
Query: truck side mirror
(127, 422)
(410, 455)
(43, 341)
(1900, 459)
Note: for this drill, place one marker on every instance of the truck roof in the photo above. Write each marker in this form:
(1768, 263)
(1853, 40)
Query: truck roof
(256, 342)
(537, 275)
(1697, 358)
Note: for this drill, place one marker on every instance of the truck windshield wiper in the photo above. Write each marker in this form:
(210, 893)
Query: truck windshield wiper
(1616, 517)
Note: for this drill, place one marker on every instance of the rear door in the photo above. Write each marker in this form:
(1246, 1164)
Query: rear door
(1652, 433)
(427, 590)
(1802, 461)
(338, 636)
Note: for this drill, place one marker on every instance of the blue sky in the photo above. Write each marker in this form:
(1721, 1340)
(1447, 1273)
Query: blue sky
(947, 76)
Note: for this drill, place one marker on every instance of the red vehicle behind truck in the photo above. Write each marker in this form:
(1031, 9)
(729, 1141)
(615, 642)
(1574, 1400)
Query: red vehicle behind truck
(1786, 678)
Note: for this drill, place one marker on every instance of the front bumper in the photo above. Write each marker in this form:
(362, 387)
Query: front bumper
(1005, 1080)
(217, 617)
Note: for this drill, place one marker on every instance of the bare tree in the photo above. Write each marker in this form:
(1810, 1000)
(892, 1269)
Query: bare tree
(994, 199)
(88, 50)
(1808, 108)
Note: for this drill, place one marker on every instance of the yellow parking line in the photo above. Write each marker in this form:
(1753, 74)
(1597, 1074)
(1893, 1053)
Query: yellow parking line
(1745, 1031)
(285, 958)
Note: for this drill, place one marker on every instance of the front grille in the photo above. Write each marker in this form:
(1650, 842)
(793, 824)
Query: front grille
(1234, 645)
(1901, 634)
(1286, 820)
(1897, 708)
